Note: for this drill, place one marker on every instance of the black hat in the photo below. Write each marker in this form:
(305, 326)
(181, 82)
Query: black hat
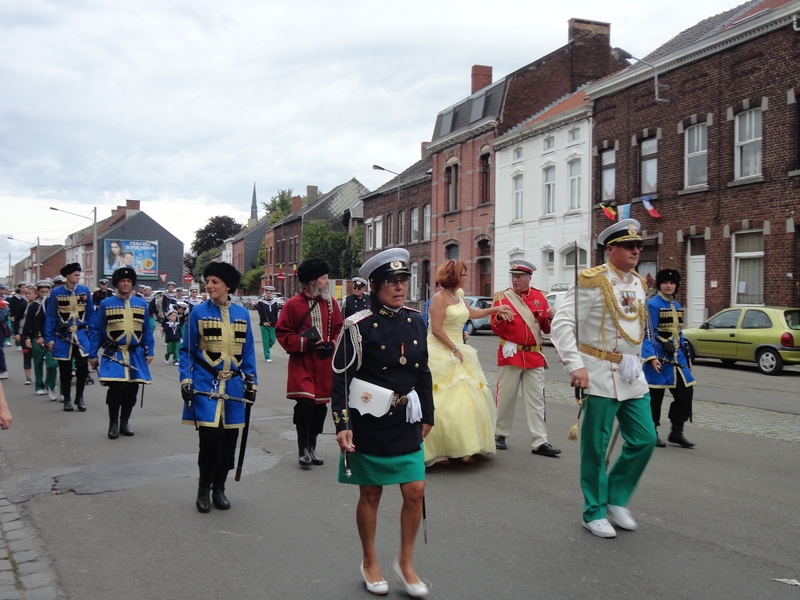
(668, 275)
(122, 273)
(312, 269)
(70, 268)
(225, 271)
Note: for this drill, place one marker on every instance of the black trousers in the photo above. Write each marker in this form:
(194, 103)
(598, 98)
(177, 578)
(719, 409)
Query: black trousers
(309, 416)
(81, 374)
(121, 395)
(217, 454)
(680, 410)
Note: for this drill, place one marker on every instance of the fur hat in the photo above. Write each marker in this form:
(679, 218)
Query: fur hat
(70, 268)
(226, 272)
(311, 269)
(123, 273)
(668, 275)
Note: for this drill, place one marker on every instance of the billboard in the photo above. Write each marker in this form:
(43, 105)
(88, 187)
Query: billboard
(140, 255)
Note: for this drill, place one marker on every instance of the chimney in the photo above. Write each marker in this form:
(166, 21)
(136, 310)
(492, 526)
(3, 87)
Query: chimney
(424, 149)
(481, 77)
(311, 194)
(297, 202)
(133, 204)
(587, 28)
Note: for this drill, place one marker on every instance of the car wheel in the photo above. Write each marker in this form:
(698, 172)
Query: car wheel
(470, 328)
(728, 362)
(769, 362)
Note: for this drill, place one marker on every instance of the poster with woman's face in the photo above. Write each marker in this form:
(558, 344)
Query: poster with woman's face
(140, 255)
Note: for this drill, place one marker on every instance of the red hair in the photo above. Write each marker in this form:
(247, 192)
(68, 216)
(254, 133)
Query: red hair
(448, 274)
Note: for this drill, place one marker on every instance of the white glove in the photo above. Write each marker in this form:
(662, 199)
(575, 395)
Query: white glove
(414, 408)
(630, 367)
(509, 349)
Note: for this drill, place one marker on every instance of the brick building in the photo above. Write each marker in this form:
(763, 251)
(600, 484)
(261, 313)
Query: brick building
(400, 215)
(463, 177)
(717, 154)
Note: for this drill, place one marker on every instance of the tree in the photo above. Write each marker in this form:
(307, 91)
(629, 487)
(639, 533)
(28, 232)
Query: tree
(189, 261)
(350, 259)
(202, 261)
(251, 281)
(214, 233)
(320, 241)
(279, 206)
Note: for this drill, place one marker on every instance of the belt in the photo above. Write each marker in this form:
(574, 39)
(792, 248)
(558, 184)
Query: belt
(614, 357)
(520, 347)
(398, 400)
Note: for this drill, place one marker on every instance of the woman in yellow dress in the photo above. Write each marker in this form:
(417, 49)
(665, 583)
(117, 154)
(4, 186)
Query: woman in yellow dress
(465, 408)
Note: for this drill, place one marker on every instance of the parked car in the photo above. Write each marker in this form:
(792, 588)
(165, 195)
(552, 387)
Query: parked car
(279, 297)
(554, 299)
(478, 302)
(249, 302)
(766, 335)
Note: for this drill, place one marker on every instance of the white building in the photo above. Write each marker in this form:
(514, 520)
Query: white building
(543, 184)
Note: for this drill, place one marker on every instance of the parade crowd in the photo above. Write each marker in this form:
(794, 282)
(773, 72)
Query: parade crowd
(406, 389)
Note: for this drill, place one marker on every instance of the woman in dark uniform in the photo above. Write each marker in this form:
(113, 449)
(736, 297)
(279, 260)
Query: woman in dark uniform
(385, 347)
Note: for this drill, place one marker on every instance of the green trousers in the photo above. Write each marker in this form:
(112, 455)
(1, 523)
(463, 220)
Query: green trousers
(267, 340)
(638, 439)
(44, 368)
(172, 350)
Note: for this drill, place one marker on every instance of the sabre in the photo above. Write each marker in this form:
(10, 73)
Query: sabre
(216, 396)
(69, 341)
(246, 431)
(118, 361)
(573, 432)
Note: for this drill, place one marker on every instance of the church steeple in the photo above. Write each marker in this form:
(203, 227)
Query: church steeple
(254, 205)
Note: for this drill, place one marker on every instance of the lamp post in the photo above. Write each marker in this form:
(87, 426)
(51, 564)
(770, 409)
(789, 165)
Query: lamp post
(38, 264)
(380, 168)
(95, 261)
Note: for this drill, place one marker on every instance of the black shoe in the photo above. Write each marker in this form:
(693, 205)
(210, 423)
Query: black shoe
(500, 442)
(203, 503)
(676, 437)
(113, 429)
(218, 497)
(546, 450)
(124, 428)
(312, 451)
(660, 443)
(79, 404)
(305, 458)
(68, 405)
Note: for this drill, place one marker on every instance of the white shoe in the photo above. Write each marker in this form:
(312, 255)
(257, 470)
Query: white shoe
(40, 392)
(27, 381)
(415, 590)
(176, 363)
(601, 528)
(621, 517)
(269, 360)
(379, 588)
(166, 361)
(6, 344)
(4, 375)
(52, 395)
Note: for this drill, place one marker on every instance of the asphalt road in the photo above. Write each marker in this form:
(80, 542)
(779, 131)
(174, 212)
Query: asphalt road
(117, 518)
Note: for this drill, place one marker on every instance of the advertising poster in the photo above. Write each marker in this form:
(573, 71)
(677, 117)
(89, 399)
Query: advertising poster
(141, 255)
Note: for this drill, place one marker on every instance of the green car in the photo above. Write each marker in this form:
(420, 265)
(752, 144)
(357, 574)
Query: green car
(766, 335)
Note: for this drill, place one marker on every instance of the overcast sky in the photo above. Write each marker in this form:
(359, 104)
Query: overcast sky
(184, 104)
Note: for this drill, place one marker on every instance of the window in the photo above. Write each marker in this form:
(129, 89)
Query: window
(451, 252)
(549, 258)
(451, 179)
(389, 230)
(518, 153)
(575, 184)
(748, 268)
(756, 319)
(574, 135)
(379, 233)
(726, 320)
(414, 285)
(414, 225)
(369, 234)
(549, 143)
(549, 195)
(696, 167)
(426, 222)
(484, 170)
(569, 258)
(609, 173)
(649, 158)
(518, 197)
(748, 144)
(401, 227)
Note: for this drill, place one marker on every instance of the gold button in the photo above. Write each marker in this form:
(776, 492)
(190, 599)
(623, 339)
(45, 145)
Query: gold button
(384, 368)
(390, 414)
(416, 365)
(415, 342)
(408, 319)
(374, 324)
(383, 347)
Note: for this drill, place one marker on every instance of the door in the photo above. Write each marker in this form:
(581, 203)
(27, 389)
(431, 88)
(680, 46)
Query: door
(695, 308)
(719, 337)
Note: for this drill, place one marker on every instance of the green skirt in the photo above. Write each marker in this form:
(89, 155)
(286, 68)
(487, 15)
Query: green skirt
(369, 469)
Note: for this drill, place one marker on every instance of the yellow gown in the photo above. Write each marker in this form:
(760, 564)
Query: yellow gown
(465, 408)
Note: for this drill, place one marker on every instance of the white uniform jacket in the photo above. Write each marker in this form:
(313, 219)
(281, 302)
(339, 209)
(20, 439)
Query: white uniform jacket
(611, 308)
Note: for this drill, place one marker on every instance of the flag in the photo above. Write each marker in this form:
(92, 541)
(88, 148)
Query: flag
(624, 211)
(646, 203)
(609, 212)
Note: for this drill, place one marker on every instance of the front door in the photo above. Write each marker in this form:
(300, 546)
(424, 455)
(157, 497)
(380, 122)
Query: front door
(695, 308)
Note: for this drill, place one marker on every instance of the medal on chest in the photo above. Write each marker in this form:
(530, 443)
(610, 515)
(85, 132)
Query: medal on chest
(627, 300)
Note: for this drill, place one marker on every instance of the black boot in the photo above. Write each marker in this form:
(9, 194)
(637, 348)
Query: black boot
(79, 404)
(659, 442)
(302, 446)
(312, 447)
(124, 415)
(68, 403)
(113, 422)
(203, 503)
(218, 491)
(676, 436)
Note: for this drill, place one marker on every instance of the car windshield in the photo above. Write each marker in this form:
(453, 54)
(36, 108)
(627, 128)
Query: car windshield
(792, 318)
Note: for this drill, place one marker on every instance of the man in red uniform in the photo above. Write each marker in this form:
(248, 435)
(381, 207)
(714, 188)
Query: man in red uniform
(308, 325)
(520, 357)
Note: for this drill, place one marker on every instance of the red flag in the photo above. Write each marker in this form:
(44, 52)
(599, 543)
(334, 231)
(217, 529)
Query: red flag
(646, 203)
(609, 212)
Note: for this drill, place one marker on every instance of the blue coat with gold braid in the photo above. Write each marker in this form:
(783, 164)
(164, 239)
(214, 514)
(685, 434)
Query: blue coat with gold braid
(218, 340)
(665, 341)
(121, 330)
(69, 315)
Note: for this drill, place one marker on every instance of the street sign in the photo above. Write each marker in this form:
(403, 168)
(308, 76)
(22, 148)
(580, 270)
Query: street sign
(280, 276)
(163, 277)
(188, 278)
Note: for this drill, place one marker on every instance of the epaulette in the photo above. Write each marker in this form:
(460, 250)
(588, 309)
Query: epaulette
(419, 312)
(359, 316)
(498, 296)
(586, 278)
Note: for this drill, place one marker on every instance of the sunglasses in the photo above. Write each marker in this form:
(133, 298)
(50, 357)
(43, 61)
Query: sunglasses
(359, 286)
(403, 280)
(631, 246)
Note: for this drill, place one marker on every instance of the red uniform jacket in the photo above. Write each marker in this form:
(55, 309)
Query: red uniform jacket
(310, 375)
(517, 332)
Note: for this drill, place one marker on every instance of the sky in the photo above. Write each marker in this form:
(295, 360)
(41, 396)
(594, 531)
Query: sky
(186, 104)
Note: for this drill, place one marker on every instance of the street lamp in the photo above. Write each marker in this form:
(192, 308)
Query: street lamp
(380, 168)
(95, 254)
(38, 264)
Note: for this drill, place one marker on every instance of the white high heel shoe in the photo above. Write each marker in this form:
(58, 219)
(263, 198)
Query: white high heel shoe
(415, 590)
(379, 588)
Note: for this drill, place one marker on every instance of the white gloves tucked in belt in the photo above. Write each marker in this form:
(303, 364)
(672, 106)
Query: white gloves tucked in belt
(509, 349)
(414, 408)
(630, 367)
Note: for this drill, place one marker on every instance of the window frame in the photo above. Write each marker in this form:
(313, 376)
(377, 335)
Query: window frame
(755, 140)
(401, 227)
(690, 154)
(737, 259)
(608, 168)
(426, 222)
(646, 163)
(518, 188)
(414, 225)
(575, 183)
(549, 191)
